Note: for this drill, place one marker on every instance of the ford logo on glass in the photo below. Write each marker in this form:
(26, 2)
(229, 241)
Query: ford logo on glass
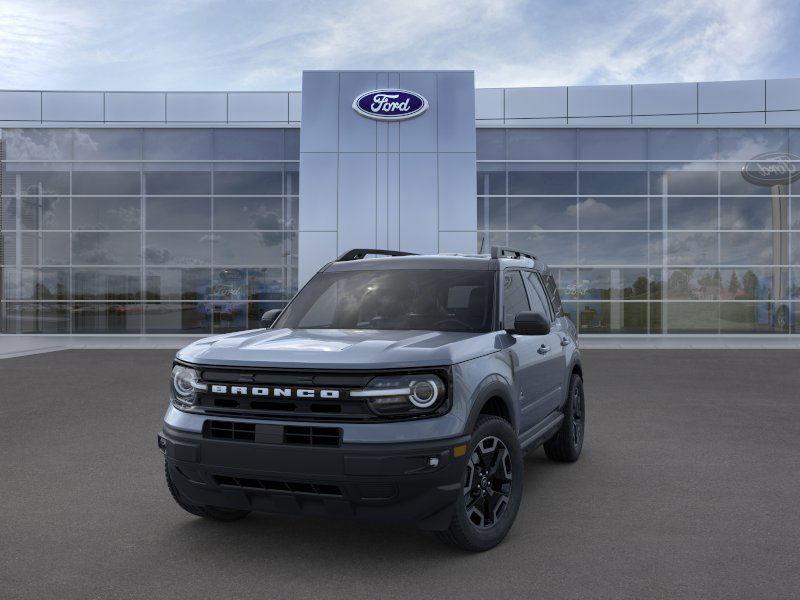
(772, 168)
(390, 105)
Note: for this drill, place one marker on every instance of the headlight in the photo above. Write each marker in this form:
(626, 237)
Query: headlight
(404, 395)
(185, 383)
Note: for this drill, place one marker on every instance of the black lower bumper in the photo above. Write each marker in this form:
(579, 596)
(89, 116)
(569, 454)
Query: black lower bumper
(400, 482)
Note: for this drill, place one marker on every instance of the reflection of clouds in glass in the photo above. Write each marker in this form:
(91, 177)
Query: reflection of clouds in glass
(28, 144)
(85, 145)
(692, 248)
(751, 248)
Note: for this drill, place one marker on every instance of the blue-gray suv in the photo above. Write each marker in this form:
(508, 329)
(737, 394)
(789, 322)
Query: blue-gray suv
(392, 387)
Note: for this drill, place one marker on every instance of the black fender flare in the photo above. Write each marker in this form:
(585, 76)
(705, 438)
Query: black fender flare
(494, 386)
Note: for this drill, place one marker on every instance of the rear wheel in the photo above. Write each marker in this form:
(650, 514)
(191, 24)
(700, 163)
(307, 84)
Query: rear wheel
(491, 488)
(566, 444)
(208, 512)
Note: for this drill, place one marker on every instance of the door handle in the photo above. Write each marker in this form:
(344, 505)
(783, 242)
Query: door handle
(565, 341)
(543, 349)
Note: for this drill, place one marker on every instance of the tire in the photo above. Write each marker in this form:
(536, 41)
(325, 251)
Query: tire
(207, 512)
(486, 510)
(566, 444)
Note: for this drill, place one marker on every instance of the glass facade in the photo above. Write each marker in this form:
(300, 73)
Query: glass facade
(650, 230)
(146, 230)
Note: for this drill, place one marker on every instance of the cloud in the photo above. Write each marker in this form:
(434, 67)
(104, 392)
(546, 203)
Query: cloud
(212, 44)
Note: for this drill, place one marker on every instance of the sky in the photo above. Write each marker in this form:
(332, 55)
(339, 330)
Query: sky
(265, 45)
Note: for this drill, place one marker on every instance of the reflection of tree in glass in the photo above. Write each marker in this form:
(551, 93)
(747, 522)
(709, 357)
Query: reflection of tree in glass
(750, 285)
(639, 290)
(734, 286)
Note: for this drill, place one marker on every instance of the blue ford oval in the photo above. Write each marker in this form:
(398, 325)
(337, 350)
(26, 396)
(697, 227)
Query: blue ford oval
(390, 105)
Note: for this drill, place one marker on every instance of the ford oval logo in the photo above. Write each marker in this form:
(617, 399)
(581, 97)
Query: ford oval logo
(390, 105)
(772, 168)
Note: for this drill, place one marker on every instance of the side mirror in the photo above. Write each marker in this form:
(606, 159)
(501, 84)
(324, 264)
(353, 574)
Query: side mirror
(531, 323)
(268, 318)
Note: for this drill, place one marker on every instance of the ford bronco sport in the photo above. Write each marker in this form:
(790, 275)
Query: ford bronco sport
(401, 387)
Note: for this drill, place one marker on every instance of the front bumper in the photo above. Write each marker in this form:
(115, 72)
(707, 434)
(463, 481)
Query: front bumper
(393, 482)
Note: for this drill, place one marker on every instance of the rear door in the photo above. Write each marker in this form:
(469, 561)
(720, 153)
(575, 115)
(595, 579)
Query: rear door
(554, 356)
(529, 363)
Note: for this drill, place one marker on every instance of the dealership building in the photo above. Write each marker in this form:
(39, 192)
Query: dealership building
(664, 209)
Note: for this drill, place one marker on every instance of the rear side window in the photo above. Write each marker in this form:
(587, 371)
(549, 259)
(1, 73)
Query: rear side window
(515, 298)
(552, 291)
(539, 301)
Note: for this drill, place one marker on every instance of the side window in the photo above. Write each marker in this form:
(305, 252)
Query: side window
(538, 299)
(555, 298)
(515, 298)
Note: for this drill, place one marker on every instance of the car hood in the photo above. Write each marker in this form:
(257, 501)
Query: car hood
(339, 348)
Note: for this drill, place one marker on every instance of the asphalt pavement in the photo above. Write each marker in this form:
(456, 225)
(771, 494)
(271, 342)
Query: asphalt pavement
(688, 487)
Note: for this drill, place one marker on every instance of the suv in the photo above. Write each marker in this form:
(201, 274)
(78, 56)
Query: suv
(402, 388)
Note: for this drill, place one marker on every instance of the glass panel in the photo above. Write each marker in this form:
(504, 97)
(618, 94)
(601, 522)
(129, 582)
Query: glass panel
(291, 144)
(749, 317)
(746, 144)
(691, 317)
(693, 284)
(692, 248)
(178, 183)
(38, 284)
(612, 144)
(492, 213)
(753, 283)
(106, 213)
(692, 213)
(656, 284)
(107, 144)
(612, 213)
(175, 317)
(795, 221)
(45, 248)
(178, 248)
(613, 182)
(106, 284)
(38, 144)
(248, 213)
(35, 317)
(613, 248)
(8, 248)
(567, 283)
(754, 213)
(732, 182)
(656, 213)
(491, 179)
(36, 183)
(178, 144)
(248, 144)
(267, 284)
(105, 248)
(174, 212)
(613, 284)
(794, 286)
(656, 308)
(253, 248)
(177, 284)
(515, 298)
(490, 144)
(107, 318)
(524, 180)
(676, 181)
(682, 144)
(541, 213)
(8, 214)
(117, 183)
(44, 212)
(291, 213)
(553, 248)
(613, 317)
(248, 182)
(750, 248)
(795, 256)
(541, 144)
(291, 179)
(229, 316)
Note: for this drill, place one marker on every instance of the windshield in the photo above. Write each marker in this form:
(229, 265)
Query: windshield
(435, 300)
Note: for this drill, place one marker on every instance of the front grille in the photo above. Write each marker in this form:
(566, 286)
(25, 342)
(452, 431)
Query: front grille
(231, 430)
(312, 436)
(265, 433)
(292, 487)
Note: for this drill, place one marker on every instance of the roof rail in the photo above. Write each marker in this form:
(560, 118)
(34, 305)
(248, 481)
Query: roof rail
(359, 253)
(505, 251)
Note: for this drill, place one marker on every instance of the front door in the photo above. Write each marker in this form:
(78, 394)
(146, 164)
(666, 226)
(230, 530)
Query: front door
(528, 354)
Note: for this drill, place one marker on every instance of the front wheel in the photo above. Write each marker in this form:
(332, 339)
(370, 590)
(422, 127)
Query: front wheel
(491, 488)
(566, 444)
